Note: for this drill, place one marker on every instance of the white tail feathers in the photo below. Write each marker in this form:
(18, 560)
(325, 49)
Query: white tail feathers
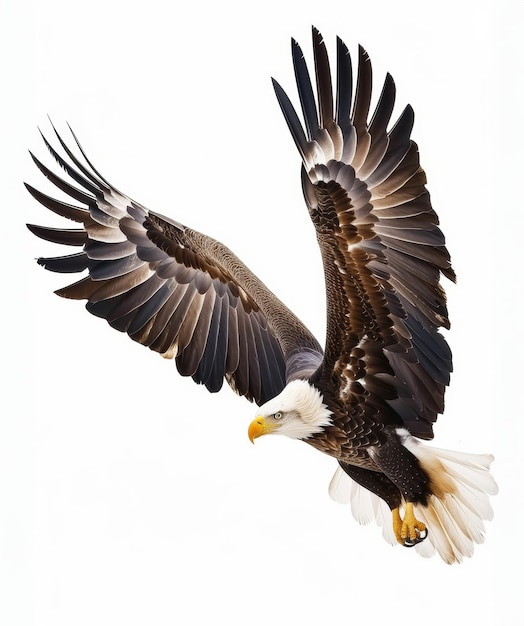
(461, 486)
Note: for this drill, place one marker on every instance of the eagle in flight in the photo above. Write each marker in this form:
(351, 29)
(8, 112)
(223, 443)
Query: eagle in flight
(374, 391)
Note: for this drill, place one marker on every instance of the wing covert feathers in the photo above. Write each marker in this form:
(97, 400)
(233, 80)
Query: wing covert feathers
(171, 288)
(382, 249)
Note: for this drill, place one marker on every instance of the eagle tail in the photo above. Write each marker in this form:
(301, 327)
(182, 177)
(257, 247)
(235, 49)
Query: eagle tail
(455, 512)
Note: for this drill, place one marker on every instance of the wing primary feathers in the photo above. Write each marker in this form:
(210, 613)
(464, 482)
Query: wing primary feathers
(71, 191)
(100, 184)
(361, 106)
(305, 91)
(344, 84)
(402, 127)
(384, 109)
(291, 118)
(363, 90)
(64, 236)
(69, 264)
(81, 180)
(324, 86)
(93, 168)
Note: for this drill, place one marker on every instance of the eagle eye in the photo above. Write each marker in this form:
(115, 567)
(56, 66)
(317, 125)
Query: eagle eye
(278, 415)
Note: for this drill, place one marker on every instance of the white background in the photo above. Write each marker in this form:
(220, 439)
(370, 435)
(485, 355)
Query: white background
(127, 494)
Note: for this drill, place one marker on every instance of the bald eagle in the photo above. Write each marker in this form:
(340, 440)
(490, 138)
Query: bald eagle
(375, 390)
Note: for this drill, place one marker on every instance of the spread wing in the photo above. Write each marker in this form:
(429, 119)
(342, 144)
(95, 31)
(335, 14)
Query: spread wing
(171, 288)
(381, 246)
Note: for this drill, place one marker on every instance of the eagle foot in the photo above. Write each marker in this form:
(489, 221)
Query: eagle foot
(421, 535)
(408, 531)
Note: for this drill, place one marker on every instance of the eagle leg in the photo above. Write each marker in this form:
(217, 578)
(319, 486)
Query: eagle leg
(408, 531)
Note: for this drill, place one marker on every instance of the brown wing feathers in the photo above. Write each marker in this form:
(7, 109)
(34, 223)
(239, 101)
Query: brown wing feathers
(382, 249)
(170, 288)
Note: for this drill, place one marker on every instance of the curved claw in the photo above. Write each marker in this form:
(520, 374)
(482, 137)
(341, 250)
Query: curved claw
(409, 543)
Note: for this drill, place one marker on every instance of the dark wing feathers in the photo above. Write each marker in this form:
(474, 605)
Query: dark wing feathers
(65, 236)
(291, 118)
(344, 89)
(187, 296)
(70, 264)
(170, 288)
(324, 87)
(382, 249)
(307, 99)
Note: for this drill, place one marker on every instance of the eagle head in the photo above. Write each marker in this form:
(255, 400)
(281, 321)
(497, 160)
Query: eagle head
(297, 412)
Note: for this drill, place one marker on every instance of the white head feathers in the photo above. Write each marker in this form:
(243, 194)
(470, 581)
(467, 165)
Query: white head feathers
(300, 410)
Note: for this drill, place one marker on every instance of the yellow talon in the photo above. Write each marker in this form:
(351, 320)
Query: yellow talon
(408, 531)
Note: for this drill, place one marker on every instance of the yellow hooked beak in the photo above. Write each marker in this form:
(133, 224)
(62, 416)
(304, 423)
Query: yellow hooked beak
(259, 427)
